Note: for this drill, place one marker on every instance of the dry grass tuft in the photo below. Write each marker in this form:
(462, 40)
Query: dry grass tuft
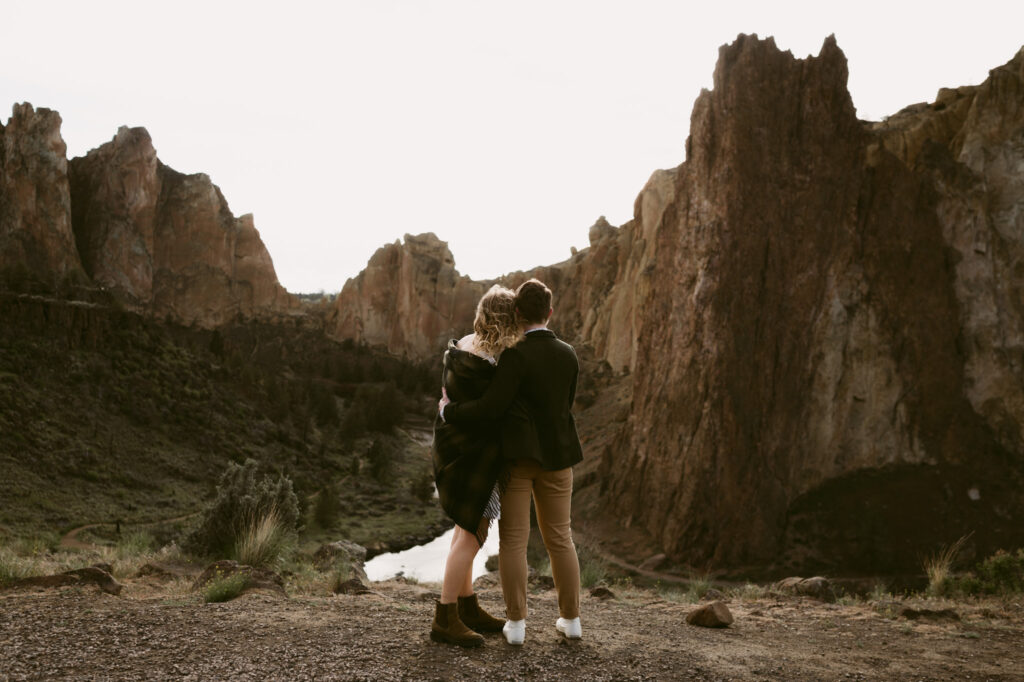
(938, 567)
(265, 541)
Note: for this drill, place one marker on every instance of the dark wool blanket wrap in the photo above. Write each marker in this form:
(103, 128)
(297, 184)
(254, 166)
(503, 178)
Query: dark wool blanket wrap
(467, 459)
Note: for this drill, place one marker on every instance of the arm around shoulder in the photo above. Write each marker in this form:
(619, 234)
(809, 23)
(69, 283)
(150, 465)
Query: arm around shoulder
(498, 397)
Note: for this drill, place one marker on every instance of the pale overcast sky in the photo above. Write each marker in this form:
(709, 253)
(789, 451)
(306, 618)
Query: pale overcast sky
(505, 128)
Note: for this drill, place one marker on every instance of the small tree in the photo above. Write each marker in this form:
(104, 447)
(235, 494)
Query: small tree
(422, 486)
(384, 407)
(354, 423)
(328, 506)
(325, 406)
(381, 456)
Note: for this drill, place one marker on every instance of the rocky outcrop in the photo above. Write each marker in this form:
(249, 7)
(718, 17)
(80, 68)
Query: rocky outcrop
(36, 240)
(828, 369)
(167, 242)
(410, 299)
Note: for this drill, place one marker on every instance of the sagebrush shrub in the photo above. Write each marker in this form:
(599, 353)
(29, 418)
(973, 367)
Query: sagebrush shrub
(225, 588)
(1002, 572)
(243, 495)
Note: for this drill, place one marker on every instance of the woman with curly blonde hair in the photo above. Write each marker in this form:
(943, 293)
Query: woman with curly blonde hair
(468, 467)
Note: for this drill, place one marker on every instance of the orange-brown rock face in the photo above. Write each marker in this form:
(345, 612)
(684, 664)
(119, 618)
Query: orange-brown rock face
(168, 241)
(409, 299)
(829, 351)
(35, 204)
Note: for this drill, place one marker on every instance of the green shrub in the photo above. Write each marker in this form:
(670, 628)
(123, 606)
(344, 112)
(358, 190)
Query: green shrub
(1002, 572)
(242, 497)
(225, 588)
(698, 587)
(12, 567)
(134, 543)
(593, 569)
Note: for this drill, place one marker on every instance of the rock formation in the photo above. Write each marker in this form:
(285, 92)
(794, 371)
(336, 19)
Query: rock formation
(167, 241)
(35, 209)
(828, 372)
(823, 317)
(409, 299)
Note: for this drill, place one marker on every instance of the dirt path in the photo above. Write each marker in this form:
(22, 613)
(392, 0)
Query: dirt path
(70, 539)
(80, 633)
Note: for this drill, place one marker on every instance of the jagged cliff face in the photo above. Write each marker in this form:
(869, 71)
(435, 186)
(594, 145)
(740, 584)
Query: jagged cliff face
(823, 318)
(35, 208)
(828, 369)
(409, 299)
(599, 292)
(167, 241)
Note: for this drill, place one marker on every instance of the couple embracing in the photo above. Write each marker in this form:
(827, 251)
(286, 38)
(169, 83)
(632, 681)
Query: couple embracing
(505, 434)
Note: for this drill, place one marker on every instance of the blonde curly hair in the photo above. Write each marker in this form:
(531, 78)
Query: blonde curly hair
(495, 324)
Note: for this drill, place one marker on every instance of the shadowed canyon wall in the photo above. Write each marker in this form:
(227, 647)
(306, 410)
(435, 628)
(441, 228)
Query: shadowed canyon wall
(828, 373)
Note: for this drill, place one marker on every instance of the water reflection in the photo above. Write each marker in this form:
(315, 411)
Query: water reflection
(426, 562)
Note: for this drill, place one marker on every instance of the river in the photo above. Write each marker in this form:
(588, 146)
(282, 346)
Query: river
(426, 562)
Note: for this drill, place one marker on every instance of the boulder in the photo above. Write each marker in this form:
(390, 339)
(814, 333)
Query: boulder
(538, 580)
(487, 580)
(713, 594)
(256, 578)
(816, 587)
(354, 585)
(99, 575)
(713, 615)
(342, 553)
(96, 575)
(168, 570)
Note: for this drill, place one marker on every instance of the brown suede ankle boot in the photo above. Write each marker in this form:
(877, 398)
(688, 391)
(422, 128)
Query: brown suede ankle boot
(448, 628)
(474, 616)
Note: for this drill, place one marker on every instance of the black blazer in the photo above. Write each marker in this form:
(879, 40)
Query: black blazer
(531, 398)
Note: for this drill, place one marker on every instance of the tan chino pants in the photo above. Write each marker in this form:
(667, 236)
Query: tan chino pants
(552, 496)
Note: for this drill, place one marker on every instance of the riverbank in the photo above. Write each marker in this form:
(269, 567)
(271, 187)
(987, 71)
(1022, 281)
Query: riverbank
(161, 630)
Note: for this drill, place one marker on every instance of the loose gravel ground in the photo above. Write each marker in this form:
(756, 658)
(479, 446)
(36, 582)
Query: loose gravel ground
(156, 633)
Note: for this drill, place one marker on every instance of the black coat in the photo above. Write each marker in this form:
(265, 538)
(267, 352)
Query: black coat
(531, 395)
(467, 458)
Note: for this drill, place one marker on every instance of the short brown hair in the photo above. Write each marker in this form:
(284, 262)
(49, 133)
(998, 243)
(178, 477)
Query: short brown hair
(533, 301)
